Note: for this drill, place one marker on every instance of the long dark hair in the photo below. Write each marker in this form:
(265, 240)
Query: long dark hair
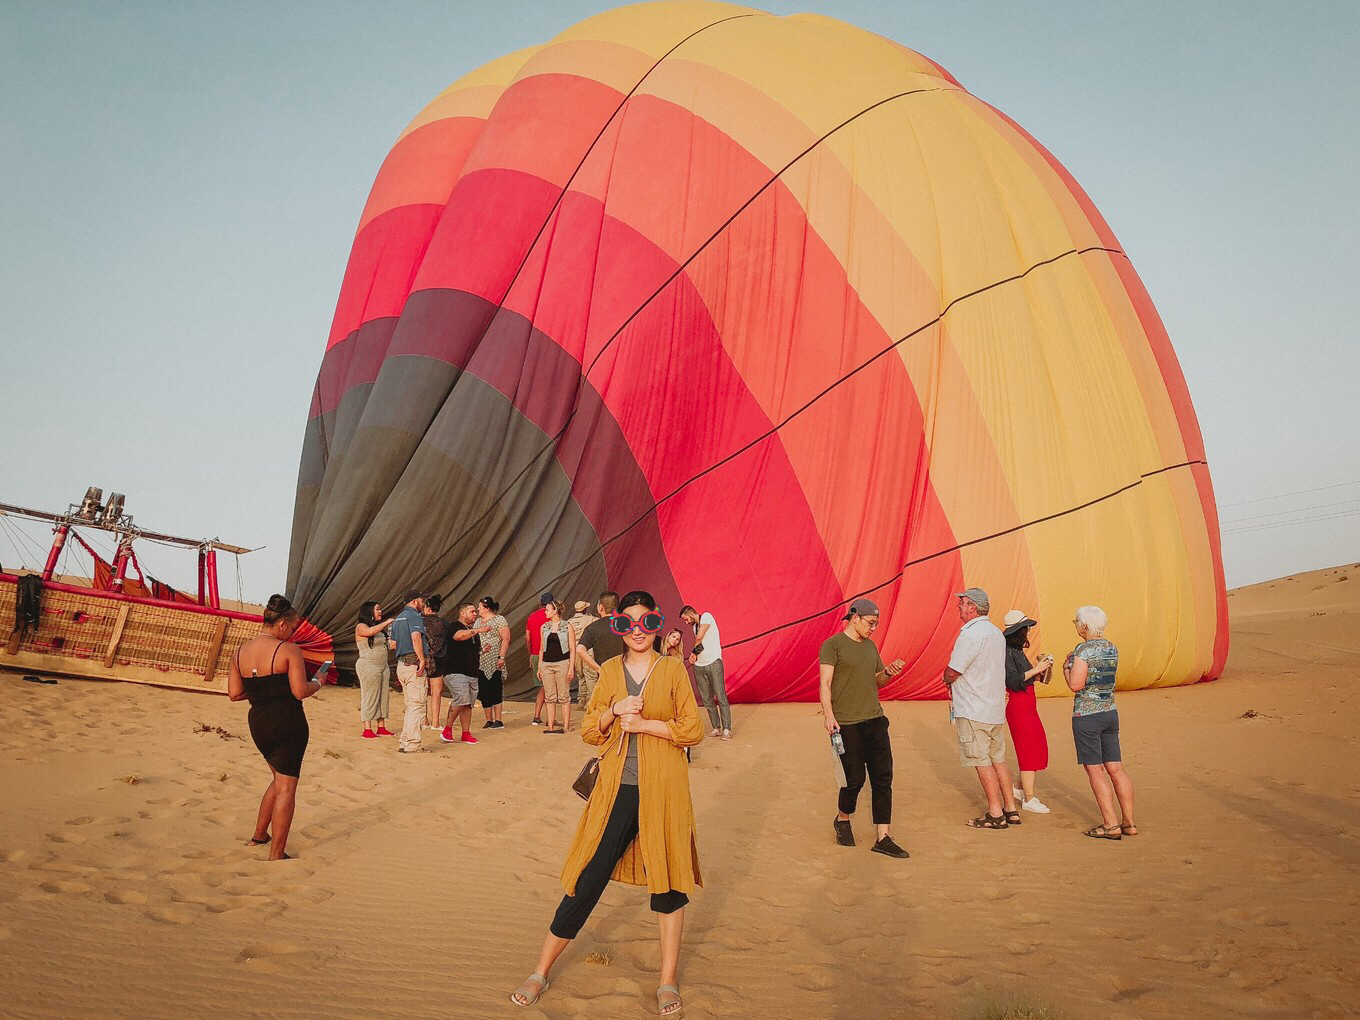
(369, 618)
(1018, 639)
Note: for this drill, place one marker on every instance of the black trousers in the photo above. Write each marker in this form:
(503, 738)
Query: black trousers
(619, 832)
(490, 689)
(867, 748)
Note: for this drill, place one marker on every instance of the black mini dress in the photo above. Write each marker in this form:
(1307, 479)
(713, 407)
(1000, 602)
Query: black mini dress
(278, 725)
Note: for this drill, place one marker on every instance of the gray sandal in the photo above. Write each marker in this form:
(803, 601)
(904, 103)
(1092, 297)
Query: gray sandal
(668, 1001)
(526, 991)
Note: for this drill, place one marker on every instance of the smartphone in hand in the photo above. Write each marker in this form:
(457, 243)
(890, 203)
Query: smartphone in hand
(323, 675)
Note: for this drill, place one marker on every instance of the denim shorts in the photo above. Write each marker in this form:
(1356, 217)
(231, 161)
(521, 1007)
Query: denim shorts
(1097, 737)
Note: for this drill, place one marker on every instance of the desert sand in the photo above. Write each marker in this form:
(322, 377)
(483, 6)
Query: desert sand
(424, 884)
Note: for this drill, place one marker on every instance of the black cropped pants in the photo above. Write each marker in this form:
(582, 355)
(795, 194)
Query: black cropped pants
(867, 748)
(619, 832)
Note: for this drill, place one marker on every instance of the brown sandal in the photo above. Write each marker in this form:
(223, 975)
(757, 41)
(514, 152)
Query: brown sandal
(989, 822)
(1104, 832)
(1128, 829)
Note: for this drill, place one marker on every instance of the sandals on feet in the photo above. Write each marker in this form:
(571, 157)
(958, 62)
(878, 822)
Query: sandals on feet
(668, 1001)
(252, 841)
(1104, 832)
(1012, 817)
(989, 822)
(1128, 829)
(525, 995)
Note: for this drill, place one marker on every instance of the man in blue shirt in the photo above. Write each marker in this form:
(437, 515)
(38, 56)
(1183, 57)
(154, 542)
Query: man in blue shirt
(413, 668)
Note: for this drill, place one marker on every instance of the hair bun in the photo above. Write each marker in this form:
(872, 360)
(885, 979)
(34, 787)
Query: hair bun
(277, 608)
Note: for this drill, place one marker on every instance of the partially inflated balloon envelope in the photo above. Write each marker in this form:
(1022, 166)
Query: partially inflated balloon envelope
(760, 314)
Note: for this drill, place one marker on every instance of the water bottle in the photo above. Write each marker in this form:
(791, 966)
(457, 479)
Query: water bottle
(837, 742)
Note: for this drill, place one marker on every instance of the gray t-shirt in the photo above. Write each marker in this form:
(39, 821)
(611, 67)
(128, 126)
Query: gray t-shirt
(630, 761)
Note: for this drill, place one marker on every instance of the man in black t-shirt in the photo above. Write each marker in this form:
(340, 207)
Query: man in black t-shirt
(462, 671)
(597, 645)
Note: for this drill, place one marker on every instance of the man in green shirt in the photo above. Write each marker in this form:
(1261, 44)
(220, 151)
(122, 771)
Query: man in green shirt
(851, 674)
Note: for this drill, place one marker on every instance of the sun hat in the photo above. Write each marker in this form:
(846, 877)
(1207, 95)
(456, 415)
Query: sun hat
(1015, 620)
(582, 606)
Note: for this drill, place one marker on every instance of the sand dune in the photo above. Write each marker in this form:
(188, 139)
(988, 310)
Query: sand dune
(424, 884)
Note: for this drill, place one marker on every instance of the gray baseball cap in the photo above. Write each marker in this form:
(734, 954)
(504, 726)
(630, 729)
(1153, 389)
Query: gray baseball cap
(862, 607)
(976, 596)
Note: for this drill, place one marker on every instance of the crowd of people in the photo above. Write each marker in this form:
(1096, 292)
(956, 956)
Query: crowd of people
(991, 680)
(463, 657)
(640, 709)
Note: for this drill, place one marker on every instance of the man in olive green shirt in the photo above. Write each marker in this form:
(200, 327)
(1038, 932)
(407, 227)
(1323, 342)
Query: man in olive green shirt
(851, 674)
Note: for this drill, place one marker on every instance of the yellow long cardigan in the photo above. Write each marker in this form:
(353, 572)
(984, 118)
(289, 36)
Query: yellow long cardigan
(664, 855)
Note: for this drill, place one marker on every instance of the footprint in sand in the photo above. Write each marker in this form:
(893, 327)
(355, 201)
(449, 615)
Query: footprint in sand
(82, 820)
(60, 837)
(124, 896)
(812, 979)
(13, 856)
(64, 886)
(1127, 990)
(170, 915)
(273, 956)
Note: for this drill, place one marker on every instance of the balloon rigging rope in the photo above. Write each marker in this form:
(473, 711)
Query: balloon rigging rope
(963, 545)
(528, 252)
(553, 442)
(581, 383)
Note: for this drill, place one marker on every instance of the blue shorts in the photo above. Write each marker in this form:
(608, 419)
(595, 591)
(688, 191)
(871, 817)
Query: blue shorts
(1097, 737)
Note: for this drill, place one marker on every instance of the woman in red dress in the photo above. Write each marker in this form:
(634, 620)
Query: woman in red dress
(1022, 710)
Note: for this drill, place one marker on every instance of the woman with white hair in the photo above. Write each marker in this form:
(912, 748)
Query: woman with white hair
(1090, 672)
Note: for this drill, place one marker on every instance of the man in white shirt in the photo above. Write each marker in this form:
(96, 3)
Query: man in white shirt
(708, 670)
(976, 678)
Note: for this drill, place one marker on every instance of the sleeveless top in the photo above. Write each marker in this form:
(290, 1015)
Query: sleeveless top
(1102, 661)
(375, 655)
(261, 690)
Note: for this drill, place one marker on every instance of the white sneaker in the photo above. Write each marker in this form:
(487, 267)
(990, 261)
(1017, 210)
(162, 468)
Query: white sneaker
(715, 733)
(1035, 805)
(1018, 793)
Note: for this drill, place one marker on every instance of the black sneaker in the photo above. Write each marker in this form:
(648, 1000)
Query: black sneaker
(489, 725)
(498, 725)
(845, 835)
(887, 846)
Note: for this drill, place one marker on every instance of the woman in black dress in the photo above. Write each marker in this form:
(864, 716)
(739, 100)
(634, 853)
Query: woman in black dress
(268, 672)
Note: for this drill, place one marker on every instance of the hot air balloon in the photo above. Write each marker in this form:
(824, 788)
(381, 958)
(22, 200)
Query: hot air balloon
(760, 314)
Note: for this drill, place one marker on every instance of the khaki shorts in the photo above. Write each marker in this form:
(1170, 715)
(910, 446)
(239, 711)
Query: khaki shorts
(980, 743)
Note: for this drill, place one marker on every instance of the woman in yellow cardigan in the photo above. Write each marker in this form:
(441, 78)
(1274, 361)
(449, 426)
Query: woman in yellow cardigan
(638, 826)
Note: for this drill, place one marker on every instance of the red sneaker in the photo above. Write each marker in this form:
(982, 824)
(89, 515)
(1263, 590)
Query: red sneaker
(468, 738)
(446, 734)
(369, 735)
(383, 731)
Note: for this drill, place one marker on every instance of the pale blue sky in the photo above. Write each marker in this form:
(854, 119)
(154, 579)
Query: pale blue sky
(180, 183)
